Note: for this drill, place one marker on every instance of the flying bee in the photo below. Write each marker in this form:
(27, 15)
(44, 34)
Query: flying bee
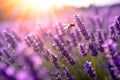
(69, 26)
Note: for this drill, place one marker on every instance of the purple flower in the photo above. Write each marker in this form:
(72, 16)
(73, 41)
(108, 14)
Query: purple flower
(38, 46)
(117, 23)
(111, 71)
(68, 57)
(24, 75)
(78, 35)
(28, 40)
(64, 53)
(73, 39)
(67, 73)
(10, 71)
(81, 27)
(5, 52)
(93, 49)
(6, 73)
(113, 34)
(116, 61)
(54, 59)
(68, 45)
(89, 69)
(83, 49)
(9, 37)
(92, 37)
(9, 57)
(32, 66)
(100, 37)
(61, 27)
(71, 60)
(57, 44)
(35, 42)
(58, 76)
(61, 39)
(110, 48)
(56, 29)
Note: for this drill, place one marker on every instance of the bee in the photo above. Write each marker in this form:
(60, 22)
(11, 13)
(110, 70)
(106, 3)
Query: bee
(69, 26)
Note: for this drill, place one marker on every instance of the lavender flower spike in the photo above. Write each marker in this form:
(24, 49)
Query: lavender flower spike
(82, 28)
(89, 69)
(93, 49)
(83, 50)
(113, 34)
(110, 48)
(100, 37)
(54, 59)
(9, 37)
(117, 23)
(67, 73)
(111, 71)
(58, 76)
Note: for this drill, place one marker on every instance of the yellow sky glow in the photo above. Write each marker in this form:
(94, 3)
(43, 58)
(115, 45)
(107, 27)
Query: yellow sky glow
(46, 4)
(23, 7)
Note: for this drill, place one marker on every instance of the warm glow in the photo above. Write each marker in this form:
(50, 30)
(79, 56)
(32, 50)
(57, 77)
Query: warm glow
(34, 8)
(38, 4)
(28, 8)
(43, 4)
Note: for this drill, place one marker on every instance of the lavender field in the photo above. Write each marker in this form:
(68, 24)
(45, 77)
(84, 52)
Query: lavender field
(74, 44)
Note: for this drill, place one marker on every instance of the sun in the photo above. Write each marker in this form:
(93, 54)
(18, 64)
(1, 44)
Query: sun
(43, 5)
(24, 8)
(38, 7)
(39, 4)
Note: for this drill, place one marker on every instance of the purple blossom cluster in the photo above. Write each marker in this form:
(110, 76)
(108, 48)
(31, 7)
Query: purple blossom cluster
(16, 64)
(67, 73)
(10, 39)
(89, 69)
(59, 47)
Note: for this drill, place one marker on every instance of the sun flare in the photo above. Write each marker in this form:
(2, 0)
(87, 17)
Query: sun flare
(38, 4)
(43, 4)
(26, 8)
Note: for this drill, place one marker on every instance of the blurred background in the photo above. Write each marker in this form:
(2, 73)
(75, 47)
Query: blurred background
(25, 15)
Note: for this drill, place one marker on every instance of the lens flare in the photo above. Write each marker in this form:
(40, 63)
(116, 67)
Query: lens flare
(39, 4)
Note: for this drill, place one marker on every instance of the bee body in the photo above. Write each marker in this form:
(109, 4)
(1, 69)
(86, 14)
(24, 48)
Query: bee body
(69, 26)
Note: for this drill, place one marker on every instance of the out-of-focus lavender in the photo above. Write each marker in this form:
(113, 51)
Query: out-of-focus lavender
(89, 69)
(61, 52)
